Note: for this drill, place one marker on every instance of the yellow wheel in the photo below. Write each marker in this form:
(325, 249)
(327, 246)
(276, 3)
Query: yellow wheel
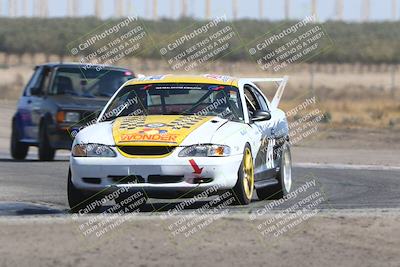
(248, 174)
(244, 188)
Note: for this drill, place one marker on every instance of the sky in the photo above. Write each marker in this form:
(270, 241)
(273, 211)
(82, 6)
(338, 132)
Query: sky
(273, 9)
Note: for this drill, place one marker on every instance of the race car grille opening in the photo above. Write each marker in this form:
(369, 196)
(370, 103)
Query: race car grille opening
(119, 179)
(91, 180)
(164, 179)
(147, 150)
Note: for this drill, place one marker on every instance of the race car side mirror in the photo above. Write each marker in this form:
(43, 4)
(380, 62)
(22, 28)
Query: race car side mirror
(261, 115)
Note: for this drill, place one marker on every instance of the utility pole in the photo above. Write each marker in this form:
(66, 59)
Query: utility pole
(36, 8)
(208, 9)
(314, 8)
(24, 8)
(394, 10)
(129, 8)
(339, 9)
(184, 8)
(155, 10)
(147, 9)
(44, 9)
(118, 8)
(287, 9)
(365, 9)
(234, 9)
(12, 8)
(98, 8)
(73, 8)
(261, 9)
(172, 8)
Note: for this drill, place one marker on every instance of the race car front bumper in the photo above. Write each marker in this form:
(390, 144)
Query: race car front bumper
(171, 175)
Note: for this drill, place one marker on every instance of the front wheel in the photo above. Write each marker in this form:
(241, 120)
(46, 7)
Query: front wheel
(284, 177)
(18, 149)
(79, 201)
(46, 152)
(243, 190)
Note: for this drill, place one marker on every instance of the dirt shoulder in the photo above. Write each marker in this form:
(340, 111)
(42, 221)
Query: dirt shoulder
(350, 146)
(323, 240)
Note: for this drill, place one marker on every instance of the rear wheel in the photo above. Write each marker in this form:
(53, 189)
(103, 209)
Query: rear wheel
(244, 187)
(46, 152)
(284, 177)
(79, 200)
(18, 149)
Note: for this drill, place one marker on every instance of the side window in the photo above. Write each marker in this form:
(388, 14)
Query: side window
(33, 82)
(261, 100)
(251, 100)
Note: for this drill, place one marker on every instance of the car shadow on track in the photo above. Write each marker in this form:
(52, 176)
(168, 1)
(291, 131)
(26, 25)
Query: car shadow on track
(30, 160)
(173, 206)
(23, 209)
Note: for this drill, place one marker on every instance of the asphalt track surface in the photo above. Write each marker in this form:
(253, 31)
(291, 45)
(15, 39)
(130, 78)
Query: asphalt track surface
(32, 187)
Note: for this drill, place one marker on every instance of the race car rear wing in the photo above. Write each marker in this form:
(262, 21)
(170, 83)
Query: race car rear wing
(281, 82)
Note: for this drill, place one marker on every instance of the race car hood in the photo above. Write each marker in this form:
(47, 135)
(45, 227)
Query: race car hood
(123, 131)
(161, 130)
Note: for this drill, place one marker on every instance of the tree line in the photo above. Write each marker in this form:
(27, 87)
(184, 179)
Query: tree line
(376, 42)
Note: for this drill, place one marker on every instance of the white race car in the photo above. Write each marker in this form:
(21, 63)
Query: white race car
(175, 136)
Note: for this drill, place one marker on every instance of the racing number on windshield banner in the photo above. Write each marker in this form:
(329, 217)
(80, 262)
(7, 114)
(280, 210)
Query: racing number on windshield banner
(270, 153)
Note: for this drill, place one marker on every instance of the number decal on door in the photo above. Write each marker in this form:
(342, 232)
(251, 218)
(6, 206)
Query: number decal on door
(270, 153)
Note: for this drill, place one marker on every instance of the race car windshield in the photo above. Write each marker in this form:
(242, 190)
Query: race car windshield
(176, 99)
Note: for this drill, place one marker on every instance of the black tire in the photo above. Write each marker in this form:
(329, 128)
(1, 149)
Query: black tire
(279, 190)
(239, 191)
(45, 151)
(80, 200)
(18, 149)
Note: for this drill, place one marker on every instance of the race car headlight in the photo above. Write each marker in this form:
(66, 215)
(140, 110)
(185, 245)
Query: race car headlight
(205, 151)
(92, 150)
